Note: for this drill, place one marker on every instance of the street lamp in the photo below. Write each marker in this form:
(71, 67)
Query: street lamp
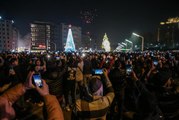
(130, 43)
(119, 44)
(142, 40)
(119, 47)
(124, 43)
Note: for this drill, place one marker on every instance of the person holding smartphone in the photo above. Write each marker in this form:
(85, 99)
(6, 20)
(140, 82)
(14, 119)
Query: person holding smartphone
(40, 68)
(7, 99)
(99, 103)
(139, 103)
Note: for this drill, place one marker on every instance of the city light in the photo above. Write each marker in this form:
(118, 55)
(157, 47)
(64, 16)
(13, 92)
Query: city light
(119, 44)
(0, 17)
(20, 49)
(170, 21)
(136, 34)
(83, 55)
(48, 56)
(128, 41)
(142, 48)
(124, 43)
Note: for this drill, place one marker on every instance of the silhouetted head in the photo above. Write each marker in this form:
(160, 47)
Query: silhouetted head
(95, 86)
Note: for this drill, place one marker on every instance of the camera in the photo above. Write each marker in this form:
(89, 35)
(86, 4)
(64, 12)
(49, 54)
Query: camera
(98, 71)
(128, 69)
(37, 80)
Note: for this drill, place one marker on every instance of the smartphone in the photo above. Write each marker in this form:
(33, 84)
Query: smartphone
(128, 69)
(57, 58)
(172, 57)
(98, 71)
(37, 80)
(107, 61)
(152, 54)
(155, 62)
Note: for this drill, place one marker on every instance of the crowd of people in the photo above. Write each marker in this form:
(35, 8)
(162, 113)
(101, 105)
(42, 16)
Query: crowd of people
(93, 86)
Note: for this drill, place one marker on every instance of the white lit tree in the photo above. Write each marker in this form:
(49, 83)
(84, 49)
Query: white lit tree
(106, 43)
(70, 45)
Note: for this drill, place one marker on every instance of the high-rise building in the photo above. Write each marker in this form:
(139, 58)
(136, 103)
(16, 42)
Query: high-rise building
(76, 32)
(168, 33)
(8, 35)
(57, 40)
(15, 39)
(42, 36)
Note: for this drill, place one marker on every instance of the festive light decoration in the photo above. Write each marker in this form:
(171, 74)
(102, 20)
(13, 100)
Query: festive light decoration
(70, 45)
(106, 43)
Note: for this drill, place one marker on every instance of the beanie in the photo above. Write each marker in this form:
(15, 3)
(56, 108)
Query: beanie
(94, 84)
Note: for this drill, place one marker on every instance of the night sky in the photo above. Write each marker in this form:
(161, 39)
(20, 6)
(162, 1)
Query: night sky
(117, 18)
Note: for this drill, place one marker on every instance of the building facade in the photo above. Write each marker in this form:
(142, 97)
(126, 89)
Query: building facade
(168, 33)
(77, 34)
(42, 36)
(8, 35)
(15, 39)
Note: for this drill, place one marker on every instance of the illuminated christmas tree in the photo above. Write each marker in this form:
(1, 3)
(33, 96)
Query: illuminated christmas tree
(70, 45)
(106, 43)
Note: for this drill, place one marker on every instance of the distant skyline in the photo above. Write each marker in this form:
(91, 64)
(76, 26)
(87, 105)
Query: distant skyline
(116, 18)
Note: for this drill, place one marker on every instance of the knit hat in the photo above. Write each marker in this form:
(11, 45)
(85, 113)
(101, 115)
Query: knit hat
(94, 84)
